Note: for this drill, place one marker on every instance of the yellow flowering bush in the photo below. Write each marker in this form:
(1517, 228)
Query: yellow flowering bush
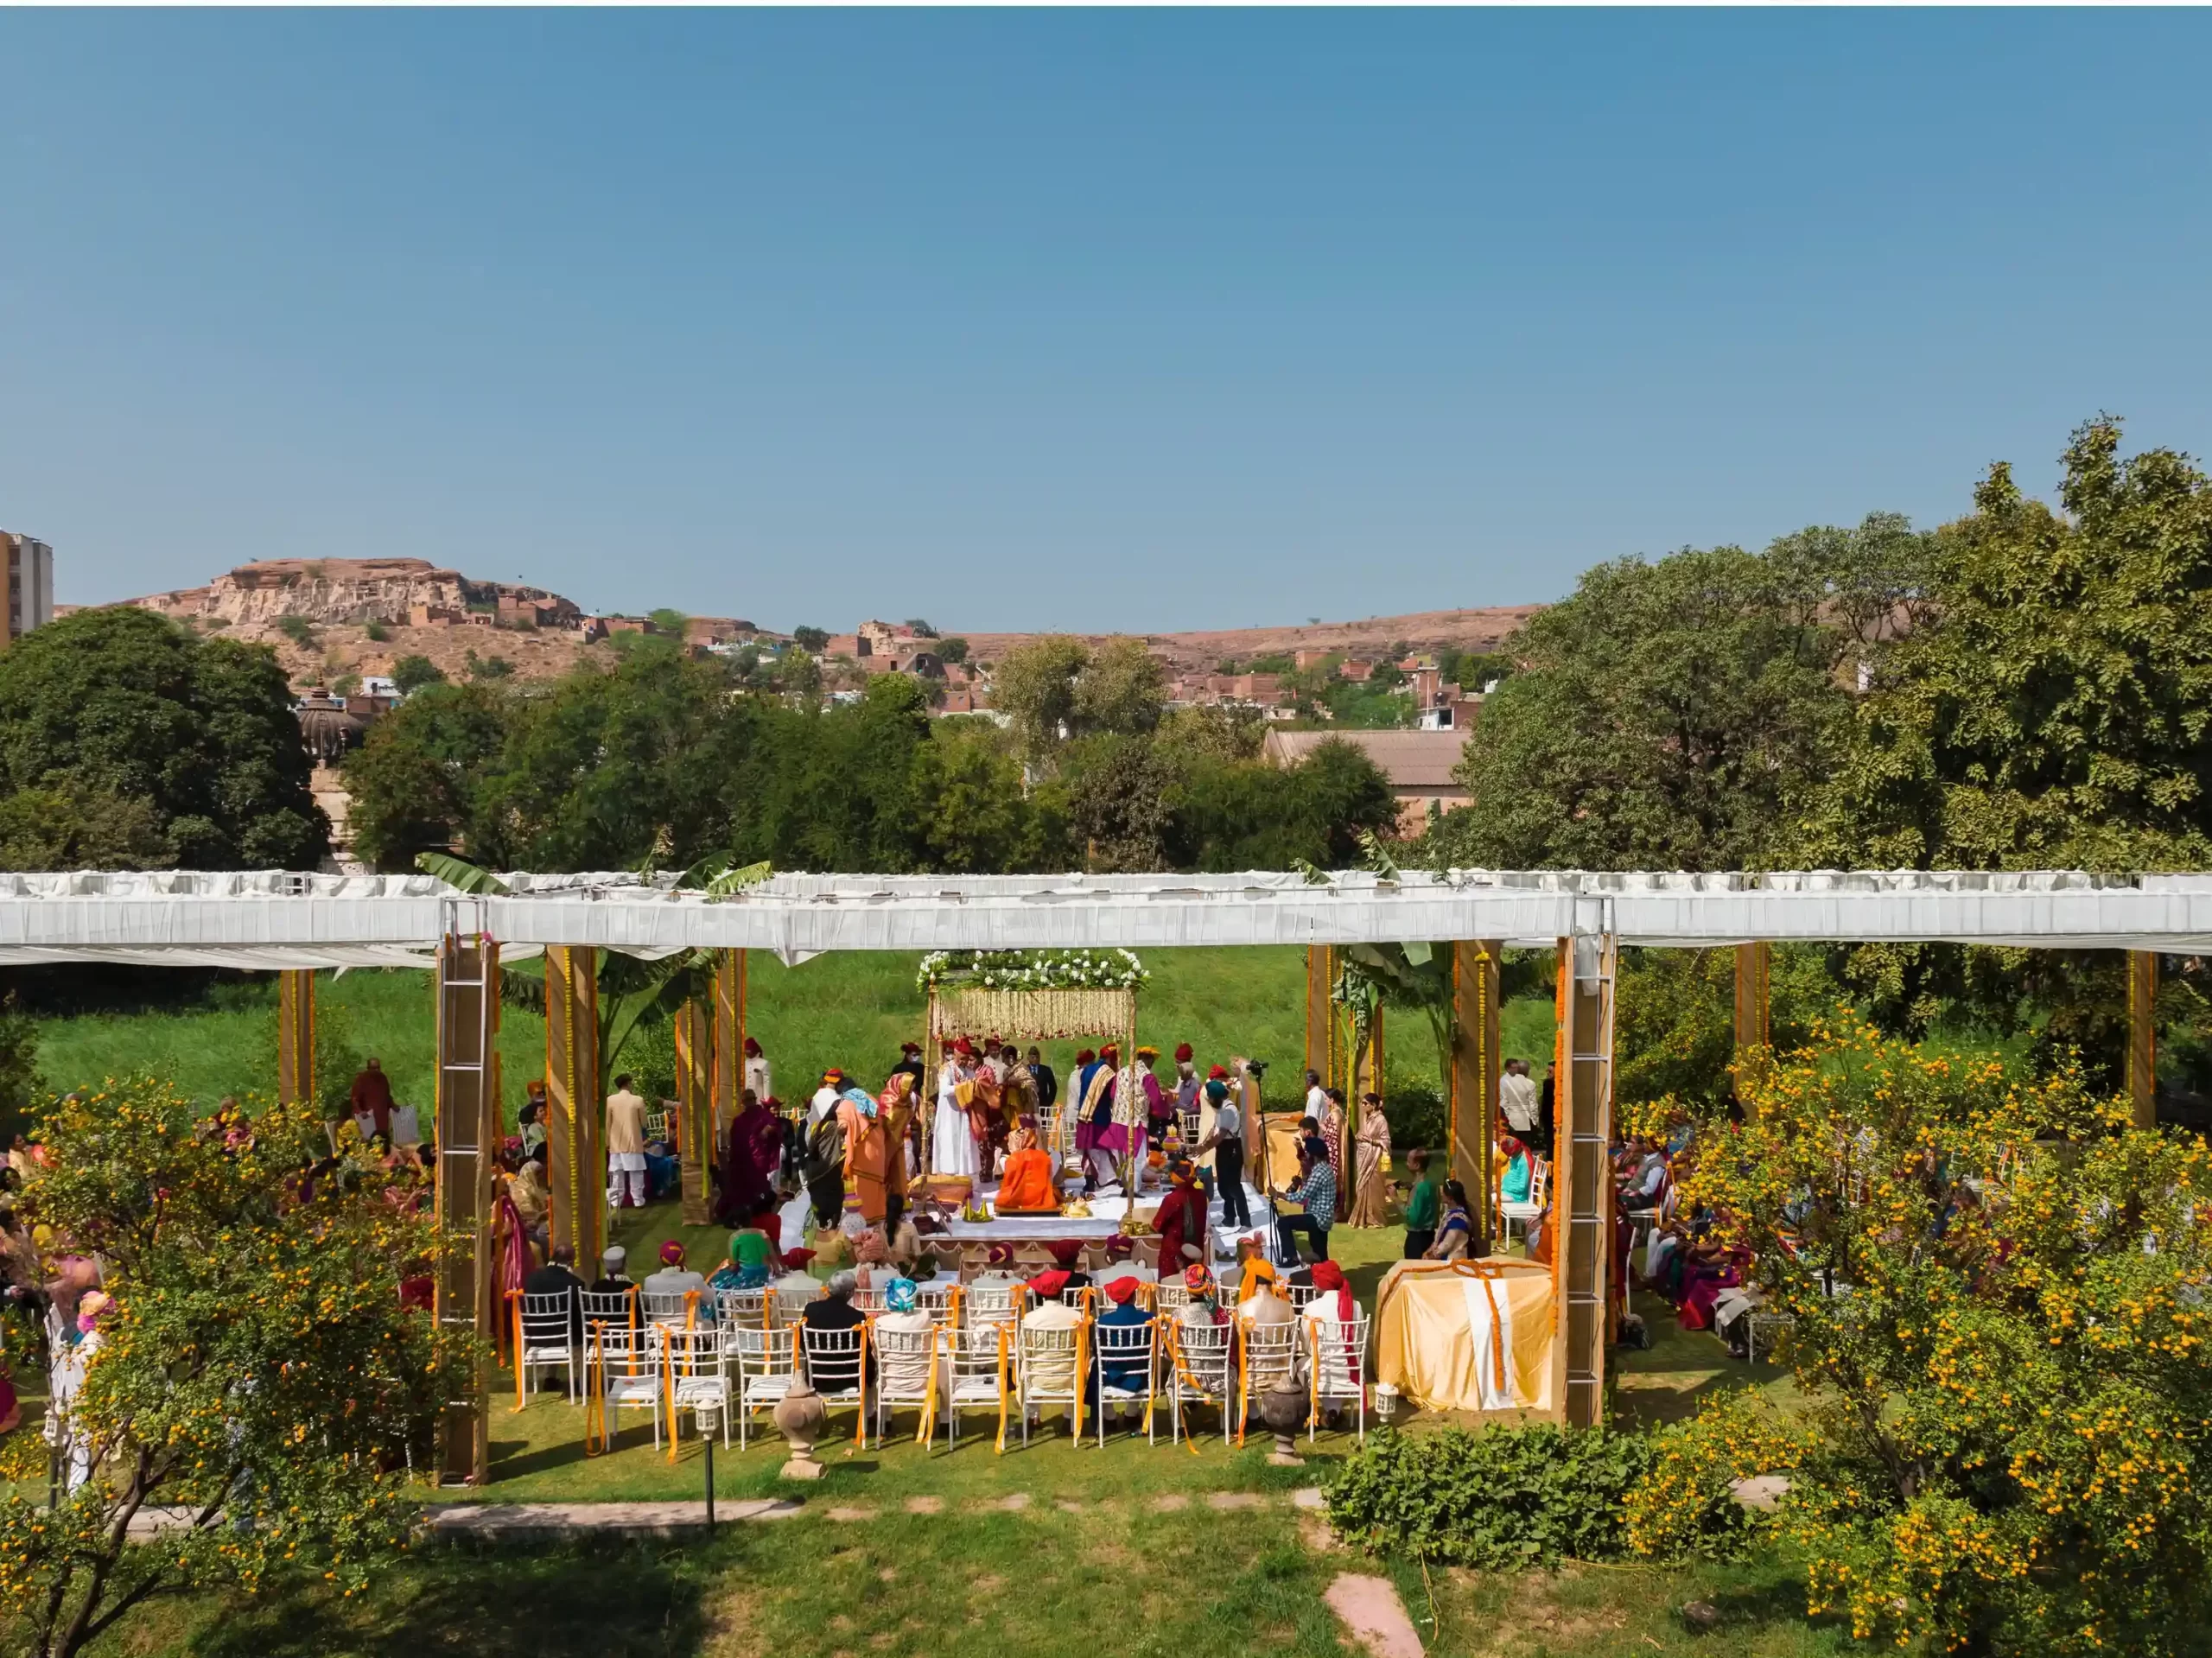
(1686, 1504)
(257, 1377)
(2000, 1290)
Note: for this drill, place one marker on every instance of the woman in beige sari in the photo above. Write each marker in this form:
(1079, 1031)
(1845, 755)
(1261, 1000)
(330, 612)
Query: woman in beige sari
(1372, 1142)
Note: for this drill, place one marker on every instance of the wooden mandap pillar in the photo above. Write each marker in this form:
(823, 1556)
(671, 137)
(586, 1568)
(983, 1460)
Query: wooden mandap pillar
(576, 1161)
(1320, 1016)
(468, 1131)
(729, 1038)
(1582, 1201)
(1471, 1089)
(295, 1035)
(1754, 995)
(695, 1107)
(2143, 1036)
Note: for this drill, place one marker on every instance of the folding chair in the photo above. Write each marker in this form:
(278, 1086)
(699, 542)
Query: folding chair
(766, 1363)
(1526, 1215)
(1126, 1349)
(837, 1363)
(1271, 1353)
(549, 1338)
(941, 1301)
(696, 1381)
(666, 1307)
(1644, 1223)
(979, 1374)
(1201, 1371)
(1050, 1369)
(1338, 1354)
(631, 1358)
(742, 1307)
(906, 1372)
(992, 1304)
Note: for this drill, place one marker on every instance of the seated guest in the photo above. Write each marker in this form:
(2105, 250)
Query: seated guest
(1455, 1233)
(674, 1279)
(1316, 1193)
(904, 1239)
(1513, 1181)
(1121, 1312)
(796, 1289)
(833, 1310)
(531, 1200)
(557, 1277)
(1642, 1189)
(1026, 1184)
(747, 1269)
(613, 1272)
(1053, 1370)
(1205, 1305)
(1255, 1272)
(1266, 1304)
(905, 1365)
(1181, 1221)
(1330, 1314)
(1067, 1255)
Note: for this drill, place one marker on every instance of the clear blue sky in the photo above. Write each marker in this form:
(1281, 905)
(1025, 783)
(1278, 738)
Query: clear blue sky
(1129, 320)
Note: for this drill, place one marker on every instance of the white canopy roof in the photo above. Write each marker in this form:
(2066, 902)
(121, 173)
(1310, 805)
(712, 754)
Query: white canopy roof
(270, 919)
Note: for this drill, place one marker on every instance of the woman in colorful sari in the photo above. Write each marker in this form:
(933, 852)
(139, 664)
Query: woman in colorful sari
(875, 1167)
(1372, 1141)
(1514, 1181)
(753, 1147)
(1455, 1231)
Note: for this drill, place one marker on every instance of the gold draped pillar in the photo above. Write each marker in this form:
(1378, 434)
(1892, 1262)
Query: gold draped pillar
(1320, 1014)
(295, 1035)
(2143, 1036)
(1471, 1089)
(1754, 995)
(729, 1038)
(694, 1110)
(468, 1132)
(575, 1165)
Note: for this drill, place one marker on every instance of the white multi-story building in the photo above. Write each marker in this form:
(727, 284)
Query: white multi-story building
(30, 585)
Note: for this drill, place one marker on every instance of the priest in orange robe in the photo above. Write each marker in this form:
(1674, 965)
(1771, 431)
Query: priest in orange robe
(1027, 1187)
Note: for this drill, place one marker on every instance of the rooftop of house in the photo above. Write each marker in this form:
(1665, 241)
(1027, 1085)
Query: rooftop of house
(1411, 760)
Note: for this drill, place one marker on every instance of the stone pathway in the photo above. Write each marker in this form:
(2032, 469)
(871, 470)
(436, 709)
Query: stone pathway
(1373, 1615)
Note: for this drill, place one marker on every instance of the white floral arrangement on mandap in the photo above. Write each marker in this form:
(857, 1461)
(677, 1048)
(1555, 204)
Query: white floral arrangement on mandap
(1033, 970)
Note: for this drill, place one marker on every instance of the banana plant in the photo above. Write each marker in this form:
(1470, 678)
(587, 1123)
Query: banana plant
(631, 990)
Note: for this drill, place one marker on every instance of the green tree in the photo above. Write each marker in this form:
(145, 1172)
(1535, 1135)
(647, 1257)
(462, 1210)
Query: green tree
(669, 621)
(1120, 805)
(1036, 686)
(972, 811)
(21, 1085)
(1668, 715)
(478, 667)
(2002, 1447)
(411, 673)
(954, 649)
(417, 782)
(257, 1376)
(121, 704)
(1120, 690)
(74, 827)
(298, 629)
(812, 640)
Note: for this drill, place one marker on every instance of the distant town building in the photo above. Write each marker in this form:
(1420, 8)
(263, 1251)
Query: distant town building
(1419, 765)
(30, 585)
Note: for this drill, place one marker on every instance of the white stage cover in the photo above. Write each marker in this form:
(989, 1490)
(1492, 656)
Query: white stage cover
(270, 919)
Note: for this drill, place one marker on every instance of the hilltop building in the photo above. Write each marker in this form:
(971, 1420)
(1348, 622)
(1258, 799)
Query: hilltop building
(30, 585)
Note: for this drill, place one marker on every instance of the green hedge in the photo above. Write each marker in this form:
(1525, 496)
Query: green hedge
(1507, 1497)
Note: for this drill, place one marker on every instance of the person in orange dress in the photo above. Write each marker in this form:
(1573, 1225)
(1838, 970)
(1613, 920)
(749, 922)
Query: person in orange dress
(875, 1164)
(1027, 1188)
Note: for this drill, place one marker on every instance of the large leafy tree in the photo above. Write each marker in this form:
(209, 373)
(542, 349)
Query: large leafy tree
(419, 782)
(2002, 1338)
(1665, 716)
(157, 747)
(258, 1377)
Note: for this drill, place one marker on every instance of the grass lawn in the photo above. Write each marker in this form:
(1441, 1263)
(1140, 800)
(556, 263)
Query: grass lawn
(850, 1009)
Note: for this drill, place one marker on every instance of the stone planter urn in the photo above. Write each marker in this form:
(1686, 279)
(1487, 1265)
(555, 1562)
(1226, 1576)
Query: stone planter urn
(799, 1415)
(1282, 1408)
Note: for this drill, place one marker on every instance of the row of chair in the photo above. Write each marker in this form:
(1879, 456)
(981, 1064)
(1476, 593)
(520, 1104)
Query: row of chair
(741, 1363)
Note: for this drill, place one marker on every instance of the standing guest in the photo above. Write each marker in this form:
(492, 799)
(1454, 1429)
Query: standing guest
(1455, 1232)
(1017, 1089)
(1187, 1081)
(1317, 1191)
(1048, 1085)
(613, 1272)
(1317, 1097)
(1086, 1067)
(822, 1168)
(1517, 1099)
(910, 1062)
(1097, 1108)
(833, 1310)
(952, 1145)
(1421, 1207)
(372, 1093)
(531, 1200)
(875, 1168)
(1371, 1140)
(1546, 1112)
(557, 1277)
(1158, 1103)
(1333, 1122)
(751, 1151)
(825, 1097)
(1224, 1142)
(758, 1077)
(1181, 1221)
(626, 1147)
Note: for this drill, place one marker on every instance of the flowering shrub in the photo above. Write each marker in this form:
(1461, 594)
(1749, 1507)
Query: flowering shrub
(1685, 1505)
(2000, 1290)
(1033, 970)
(1503, 1498)
(257, 1371)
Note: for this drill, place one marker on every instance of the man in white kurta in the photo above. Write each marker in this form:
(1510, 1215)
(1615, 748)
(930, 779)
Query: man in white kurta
(952, 1148)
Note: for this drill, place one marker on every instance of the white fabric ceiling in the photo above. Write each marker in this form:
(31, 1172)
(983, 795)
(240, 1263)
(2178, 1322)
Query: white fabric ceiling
(268, 919)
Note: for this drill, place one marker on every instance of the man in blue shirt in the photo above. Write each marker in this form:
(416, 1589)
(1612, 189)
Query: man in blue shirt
(1317, 1191)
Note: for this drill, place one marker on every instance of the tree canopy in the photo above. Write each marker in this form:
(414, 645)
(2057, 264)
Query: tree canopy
(146, 745)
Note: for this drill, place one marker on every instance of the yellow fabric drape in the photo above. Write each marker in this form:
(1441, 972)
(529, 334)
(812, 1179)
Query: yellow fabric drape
(1424, 1348)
